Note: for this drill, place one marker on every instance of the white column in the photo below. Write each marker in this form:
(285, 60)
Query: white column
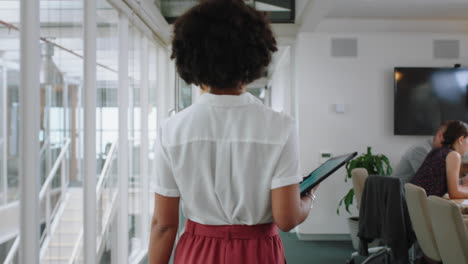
(89, 101)
(173, 84)
(144, 143)
(66, 120)
(66, 135)
(4, 135)
(294, 87)
(114, 237)
(122, 221)
(29, 131)
(162, 89)
(177, 84)
(47, 138)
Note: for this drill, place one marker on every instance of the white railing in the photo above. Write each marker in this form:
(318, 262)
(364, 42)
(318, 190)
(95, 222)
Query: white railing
(106, 195)
(3, 172)
(43, 147)
(14, 197)
(13, 252)
(47, 189)
(77, 249)
(106, 190)
(45, 197)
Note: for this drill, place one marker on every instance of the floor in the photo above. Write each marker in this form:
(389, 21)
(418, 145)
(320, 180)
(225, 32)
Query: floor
(316, 252)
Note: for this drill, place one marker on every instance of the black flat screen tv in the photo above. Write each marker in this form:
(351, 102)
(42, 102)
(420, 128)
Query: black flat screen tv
(424, 97)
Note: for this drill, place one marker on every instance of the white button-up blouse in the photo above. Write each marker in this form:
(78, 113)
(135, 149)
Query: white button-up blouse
(222, 156)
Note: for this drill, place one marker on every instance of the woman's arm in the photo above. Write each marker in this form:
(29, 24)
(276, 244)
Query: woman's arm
(453, 162)
(289, 208)
(163, 229)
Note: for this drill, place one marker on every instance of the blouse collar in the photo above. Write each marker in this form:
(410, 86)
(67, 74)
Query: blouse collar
(226, 100)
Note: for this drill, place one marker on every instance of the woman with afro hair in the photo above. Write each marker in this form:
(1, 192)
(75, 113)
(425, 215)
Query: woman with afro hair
(231, 162)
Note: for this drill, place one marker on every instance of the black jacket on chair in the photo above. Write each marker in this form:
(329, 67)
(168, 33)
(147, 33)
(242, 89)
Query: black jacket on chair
(384, 215)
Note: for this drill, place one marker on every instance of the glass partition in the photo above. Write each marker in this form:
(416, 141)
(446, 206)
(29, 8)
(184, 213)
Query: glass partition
(9, 101)
(9, 125)
(153, 76)
(134, 181)
(61, 79)
(107, 80)
(183, 94)
(61, 121)
(3, 136)
(107, 125)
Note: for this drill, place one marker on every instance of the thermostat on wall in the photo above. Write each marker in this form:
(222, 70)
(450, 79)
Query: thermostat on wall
(340, 108)
(324, 156)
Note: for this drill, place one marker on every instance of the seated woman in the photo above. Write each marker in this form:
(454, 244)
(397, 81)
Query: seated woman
(439, 174)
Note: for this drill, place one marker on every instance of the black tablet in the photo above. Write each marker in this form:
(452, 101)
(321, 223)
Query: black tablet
(323, 171)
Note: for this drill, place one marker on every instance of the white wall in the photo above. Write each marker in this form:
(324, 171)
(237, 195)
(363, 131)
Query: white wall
(365, 86)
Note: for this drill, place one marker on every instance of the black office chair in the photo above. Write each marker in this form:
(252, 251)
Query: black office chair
(384, 215)
(382, 256)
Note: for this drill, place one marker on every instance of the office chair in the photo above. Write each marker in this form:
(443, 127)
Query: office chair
(359, 177)
(450, 232)
(384, 215)
(421, 221)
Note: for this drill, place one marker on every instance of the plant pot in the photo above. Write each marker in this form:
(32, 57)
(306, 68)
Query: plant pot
(353, 224)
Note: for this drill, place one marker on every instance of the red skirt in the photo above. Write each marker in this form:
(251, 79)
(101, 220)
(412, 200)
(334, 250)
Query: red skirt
(229, 244)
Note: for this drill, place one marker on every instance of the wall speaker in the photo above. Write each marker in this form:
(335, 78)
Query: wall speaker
(446, 49)
(344, 47)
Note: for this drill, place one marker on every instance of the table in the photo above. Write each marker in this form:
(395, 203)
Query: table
(463, 203)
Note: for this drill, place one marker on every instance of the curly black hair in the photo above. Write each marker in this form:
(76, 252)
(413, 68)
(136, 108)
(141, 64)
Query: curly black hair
(222, 44)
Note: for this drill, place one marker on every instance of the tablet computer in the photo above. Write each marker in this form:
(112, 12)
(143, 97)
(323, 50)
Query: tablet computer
(323, 171)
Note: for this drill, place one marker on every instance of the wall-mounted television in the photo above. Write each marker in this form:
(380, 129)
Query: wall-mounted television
(424, 97)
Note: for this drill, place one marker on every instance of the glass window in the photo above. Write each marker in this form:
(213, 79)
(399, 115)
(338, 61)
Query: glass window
(61, 119)
(184, 94)
(153, 76)
(134, 193)
(61, 79)
(9, 101)
(107, 123)
(107, 80)
(3, 136)
(9, 124)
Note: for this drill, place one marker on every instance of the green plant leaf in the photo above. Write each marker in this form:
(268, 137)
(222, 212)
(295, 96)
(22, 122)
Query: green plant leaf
(387, 163)
(338, 207)
(374, 164)
(348, 201)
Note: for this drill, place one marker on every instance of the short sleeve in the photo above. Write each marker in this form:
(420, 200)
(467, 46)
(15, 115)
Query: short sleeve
(287, 170)
(417, 157)
(163, 181)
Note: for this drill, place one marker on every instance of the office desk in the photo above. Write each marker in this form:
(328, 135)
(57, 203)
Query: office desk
(463, 203)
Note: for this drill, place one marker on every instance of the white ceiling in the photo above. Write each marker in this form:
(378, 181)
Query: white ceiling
(300, 7)
(400, 9)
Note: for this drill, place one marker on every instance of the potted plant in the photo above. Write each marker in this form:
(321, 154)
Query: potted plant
(375, 165)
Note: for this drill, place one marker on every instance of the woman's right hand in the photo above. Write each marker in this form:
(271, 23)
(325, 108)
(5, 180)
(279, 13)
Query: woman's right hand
(310, 197)
(288, 207)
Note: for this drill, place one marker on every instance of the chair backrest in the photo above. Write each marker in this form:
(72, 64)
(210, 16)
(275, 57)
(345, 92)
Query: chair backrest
(449, 230)
(384, 215)
(416, 199)
(359, 177)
